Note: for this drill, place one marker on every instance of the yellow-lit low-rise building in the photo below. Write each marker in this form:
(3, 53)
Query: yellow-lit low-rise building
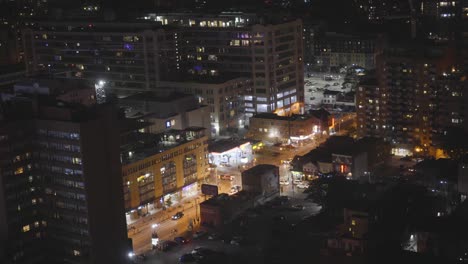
(160, 169)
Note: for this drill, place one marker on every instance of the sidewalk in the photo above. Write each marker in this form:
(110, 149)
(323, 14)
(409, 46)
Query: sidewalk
(160, 215)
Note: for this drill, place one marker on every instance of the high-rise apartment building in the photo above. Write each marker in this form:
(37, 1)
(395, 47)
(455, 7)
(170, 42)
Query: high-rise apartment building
(127, 56)
(243, 45)
(61, 198)
(415, 96)
(333, 50)
(177, 47)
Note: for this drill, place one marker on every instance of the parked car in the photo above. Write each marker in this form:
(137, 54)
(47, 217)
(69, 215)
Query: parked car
(296, 181)
(202, 253)
(298, 207)
(284, 182)
(279, 218)
(302, 186)
(236, 240)
(199, 234)
(166, 245)
(213, 236)
(177, 216)
(187, 258)
(226, 177)
(181, 240)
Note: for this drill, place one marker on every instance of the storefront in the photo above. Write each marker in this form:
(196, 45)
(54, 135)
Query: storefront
(190, 190)
(230, 153)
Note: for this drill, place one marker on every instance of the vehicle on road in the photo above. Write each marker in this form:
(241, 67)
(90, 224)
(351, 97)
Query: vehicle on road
(302, 186)
(236, 241)
(296, 181)
(226, 177)
(177, 216)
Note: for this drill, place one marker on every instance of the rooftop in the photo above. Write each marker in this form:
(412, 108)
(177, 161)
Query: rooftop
(224, 145)
(143, 145)
(154, 97)
(261, 168)
(285, 118)
(226, 200)
(330, 92)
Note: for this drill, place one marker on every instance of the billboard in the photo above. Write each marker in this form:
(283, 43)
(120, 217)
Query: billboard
(209, 189)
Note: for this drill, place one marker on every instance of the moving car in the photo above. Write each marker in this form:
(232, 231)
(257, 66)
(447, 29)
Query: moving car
(177, 216)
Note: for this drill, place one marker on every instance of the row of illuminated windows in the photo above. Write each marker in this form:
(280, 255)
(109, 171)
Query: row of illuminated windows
(62, 170)
(61, 158)
(58, 134)
(163, 158)
(36, 224)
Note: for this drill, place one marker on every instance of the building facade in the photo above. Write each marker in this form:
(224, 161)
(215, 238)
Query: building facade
(60, 200)
(262, 179)
(224, 100)
(136, 56)
(127, 56)
(282, 128)
(166, 112)
(412, 99)
(333, 50)
(162, 169)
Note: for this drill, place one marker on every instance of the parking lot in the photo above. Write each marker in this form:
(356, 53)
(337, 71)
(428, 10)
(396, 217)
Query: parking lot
(245, 238)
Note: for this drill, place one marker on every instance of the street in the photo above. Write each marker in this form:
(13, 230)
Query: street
(141, 231)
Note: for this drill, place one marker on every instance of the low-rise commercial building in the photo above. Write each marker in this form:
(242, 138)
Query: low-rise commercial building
(229, 152)
(221, 209)
(271, 127)
(262, 179)
(224, 99)
(160, 169)
(166, 112)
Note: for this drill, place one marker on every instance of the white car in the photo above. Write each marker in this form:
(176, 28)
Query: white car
(284, 182)
(296, 181)
(302, 186)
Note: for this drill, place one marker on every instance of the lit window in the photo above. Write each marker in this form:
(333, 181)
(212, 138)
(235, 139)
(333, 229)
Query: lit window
(353, 222)
(33, 201)
(26, 228)
(36, 224)
(19, 170)
(76, 253)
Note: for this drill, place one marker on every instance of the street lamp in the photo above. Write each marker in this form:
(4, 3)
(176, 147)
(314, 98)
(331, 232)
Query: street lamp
(131, 255)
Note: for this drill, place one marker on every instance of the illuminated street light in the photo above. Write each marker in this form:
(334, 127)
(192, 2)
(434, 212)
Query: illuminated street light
(153, 226)
(131, 254)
